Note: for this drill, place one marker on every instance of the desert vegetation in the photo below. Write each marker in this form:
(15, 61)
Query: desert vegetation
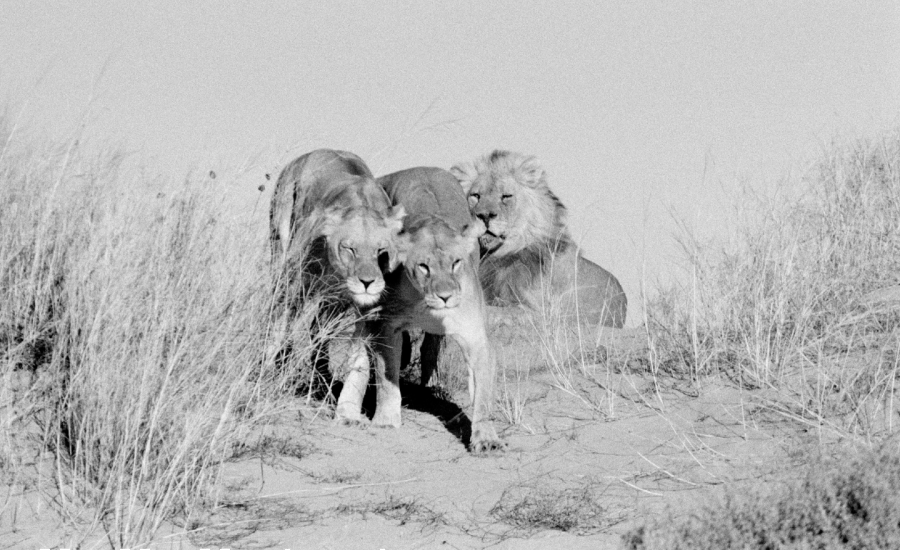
(802, 308)
(803, 299)
(135, 319)
(848, 501)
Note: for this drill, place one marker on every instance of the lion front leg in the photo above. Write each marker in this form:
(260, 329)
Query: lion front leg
(387, 378)
(430, 351)
(482, 369)
(349, 405)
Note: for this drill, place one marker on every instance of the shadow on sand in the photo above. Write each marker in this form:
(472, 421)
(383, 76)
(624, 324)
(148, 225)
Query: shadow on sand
(428, 400)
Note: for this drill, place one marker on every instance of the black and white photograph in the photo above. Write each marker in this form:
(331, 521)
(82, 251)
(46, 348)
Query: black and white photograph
(409, 275)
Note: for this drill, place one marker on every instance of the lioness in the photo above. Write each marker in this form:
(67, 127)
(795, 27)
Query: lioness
(333, 235)
(528, 256)
(437, 291)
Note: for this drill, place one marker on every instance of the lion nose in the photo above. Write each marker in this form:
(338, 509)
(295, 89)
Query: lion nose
(486, 216)
(366, 282)
(445, 296)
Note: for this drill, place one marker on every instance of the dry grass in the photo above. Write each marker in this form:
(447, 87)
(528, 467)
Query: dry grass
(133, 327)
(833, 504)
(524, 344)
(800, 302)
(534, 507)
(802, 305)
(399, 509)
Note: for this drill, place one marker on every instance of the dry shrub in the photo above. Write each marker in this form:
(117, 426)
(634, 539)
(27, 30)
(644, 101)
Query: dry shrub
(834, 505)
(795, 290)
(395, 508)
(139, 321)
(534, 507)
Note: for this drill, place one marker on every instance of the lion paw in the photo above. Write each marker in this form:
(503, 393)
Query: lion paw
(386, 420)
(347, 417)
(485, 440)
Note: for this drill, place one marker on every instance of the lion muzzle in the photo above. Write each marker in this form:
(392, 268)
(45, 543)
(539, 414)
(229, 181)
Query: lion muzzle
(490, 241)
(365, 292)
(442, 301)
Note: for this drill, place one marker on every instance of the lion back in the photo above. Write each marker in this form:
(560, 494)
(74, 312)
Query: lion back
(426, 191)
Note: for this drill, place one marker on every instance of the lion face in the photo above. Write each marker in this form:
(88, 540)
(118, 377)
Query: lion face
(362, 246)
(493, 201)
(436, 258)
(509, 193)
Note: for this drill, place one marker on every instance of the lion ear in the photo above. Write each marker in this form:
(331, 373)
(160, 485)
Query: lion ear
(402, 244)
(395, 218)
(530, 172)
(465, 173)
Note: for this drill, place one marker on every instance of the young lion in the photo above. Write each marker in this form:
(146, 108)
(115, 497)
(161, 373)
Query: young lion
(333, 235)
(528, 256)
(437, 291)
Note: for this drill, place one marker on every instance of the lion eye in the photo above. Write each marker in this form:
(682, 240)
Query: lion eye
(423, 268)
(475, 196)
(456, 265)
(505, 198)
(348, 249)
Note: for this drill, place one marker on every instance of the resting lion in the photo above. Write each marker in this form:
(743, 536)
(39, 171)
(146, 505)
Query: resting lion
(333, 235)
(528, 256)
(437, 290)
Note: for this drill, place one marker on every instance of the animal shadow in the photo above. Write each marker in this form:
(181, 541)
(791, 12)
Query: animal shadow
(428, 400)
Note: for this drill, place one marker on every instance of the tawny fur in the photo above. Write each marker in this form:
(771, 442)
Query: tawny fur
(332, 233)
(438, 292)
(528, 256)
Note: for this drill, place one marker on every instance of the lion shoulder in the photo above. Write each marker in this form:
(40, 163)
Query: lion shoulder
(325, 179)
(428, 191)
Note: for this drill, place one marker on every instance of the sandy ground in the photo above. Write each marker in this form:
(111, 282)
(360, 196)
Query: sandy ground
(584, 464)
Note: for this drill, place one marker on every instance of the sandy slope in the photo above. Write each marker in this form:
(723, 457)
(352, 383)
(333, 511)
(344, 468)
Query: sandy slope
(577, 473)
(589, 458)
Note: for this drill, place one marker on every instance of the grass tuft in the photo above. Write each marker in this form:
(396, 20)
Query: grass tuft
(134, 323)
(401, 510)
(578, 510)
(803, 301)
(835, 504)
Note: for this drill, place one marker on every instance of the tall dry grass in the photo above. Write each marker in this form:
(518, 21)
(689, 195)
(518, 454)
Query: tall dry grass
(803, 300)
(134, 319)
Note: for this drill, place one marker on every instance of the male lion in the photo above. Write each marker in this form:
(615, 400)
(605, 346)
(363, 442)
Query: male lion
(528, 256)
(437, 291)
(333, 235)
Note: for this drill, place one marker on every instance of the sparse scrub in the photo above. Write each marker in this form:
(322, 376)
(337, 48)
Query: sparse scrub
(144, 318)
(401, 510)
(834, 505)
(548, 340)
(233, 521)
(578, 510)
(267, 447)
(793, 303)
(513, 393)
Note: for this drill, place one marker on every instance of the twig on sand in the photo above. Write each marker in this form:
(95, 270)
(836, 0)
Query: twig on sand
(337, 489)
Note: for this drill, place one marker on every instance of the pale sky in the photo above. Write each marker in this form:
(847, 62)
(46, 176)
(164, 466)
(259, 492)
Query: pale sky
(638, 110)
